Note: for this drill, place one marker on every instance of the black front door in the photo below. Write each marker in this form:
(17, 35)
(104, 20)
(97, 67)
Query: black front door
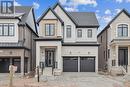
(49, 60)
(123, 56)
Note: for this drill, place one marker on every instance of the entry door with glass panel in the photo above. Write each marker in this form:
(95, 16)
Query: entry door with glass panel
(49, 60)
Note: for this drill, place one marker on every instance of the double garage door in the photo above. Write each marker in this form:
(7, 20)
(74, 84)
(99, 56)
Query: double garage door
(82, 64)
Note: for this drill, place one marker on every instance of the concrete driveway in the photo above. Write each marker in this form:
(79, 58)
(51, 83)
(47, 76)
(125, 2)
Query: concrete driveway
(83, 80)
(65, 80)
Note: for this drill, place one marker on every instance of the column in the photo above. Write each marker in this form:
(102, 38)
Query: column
(22, 64)
(128, 67)
(78, 64)
(37, 55)
(59, 60)
(116, 52)
(28, 61)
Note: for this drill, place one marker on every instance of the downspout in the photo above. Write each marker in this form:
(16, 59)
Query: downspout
(23, 45)
(106, 48)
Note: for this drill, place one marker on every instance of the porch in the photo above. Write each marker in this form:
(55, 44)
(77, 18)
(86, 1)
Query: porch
(48, 56)
(120, 56)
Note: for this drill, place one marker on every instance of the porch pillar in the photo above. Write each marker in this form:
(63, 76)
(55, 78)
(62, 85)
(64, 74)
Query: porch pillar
(22, 64)
(59, 59)
(116, 52)
(28, 61)
(128, 67)
(37, 55)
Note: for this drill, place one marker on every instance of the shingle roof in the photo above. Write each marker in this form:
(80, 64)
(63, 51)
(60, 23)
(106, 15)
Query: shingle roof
(84, 18)
(23, 9)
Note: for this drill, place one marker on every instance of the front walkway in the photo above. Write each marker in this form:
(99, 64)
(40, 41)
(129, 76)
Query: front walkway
(66, 80)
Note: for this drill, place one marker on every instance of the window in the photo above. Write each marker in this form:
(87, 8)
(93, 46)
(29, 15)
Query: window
(79, 33)
(122, 30)
(49, 29)
(5, 26)
(7, 7)
(1, 30)
(89, 33)
(11, 29)
(68, 31)
(113, 62)
(7, 30)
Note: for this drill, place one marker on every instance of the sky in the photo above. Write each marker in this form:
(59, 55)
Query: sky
(105, 10)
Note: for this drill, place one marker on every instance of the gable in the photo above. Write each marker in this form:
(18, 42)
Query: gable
(49, 15)
(122, 18)
(62, 13)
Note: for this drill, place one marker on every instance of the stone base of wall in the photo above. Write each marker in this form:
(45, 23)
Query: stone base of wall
(57, 72)
(115, 71)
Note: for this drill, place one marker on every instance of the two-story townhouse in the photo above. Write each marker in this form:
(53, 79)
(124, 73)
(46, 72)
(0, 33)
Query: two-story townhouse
(67, 41)
(17, 46)
(114, 49)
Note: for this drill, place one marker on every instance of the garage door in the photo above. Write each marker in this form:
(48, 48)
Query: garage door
(70, 64)
(4, 65)
(87, 64)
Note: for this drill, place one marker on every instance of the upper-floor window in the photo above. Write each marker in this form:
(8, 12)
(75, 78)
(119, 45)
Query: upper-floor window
(79, 33)
(68, 31)
(49, 29)
(122, 30)
(89, 33)
(7, 29)
(7, 7)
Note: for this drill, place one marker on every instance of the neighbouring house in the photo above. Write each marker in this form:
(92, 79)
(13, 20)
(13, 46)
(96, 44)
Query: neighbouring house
(17, 46)
(67, 41)
(114, 49)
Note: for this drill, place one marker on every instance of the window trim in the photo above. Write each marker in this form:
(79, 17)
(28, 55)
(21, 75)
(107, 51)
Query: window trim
(78, 32)
(50, 29)
(117, 29)
(67, 31)
(88, 33)
(7, 24)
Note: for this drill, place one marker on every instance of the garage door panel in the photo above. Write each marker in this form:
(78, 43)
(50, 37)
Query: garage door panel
(87, 64)
(70, 64)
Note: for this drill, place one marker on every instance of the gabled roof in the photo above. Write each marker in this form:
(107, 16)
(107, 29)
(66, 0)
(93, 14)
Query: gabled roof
(44, 14)
(84, 18)
(58, 4)
(123, 10)
(21, 12)
(80, 19)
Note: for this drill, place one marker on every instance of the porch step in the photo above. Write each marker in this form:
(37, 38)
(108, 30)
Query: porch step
(47, 71)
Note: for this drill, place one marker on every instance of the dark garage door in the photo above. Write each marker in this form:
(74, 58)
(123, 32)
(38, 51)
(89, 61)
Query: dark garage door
(70, 64)
(87, 64)
(4, 65)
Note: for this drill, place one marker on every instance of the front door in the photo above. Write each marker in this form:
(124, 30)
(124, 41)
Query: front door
(123, 56)
(49, 60)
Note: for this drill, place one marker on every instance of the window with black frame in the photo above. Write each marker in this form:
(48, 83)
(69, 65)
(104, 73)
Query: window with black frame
(122, 30)
(79, 33)
(7, 29)
(89, 33)
(68, 31)
(49, 29)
